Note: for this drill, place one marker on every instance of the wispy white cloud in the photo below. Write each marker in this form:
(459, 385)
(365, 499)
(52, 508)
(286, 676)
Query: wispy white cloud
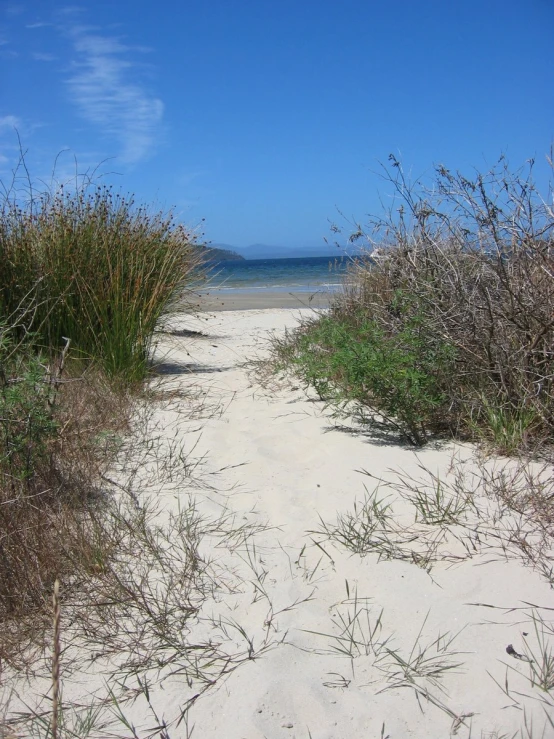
(105, 89)
(9, 121)
(71, 10)
(189, 177)
(39, 56)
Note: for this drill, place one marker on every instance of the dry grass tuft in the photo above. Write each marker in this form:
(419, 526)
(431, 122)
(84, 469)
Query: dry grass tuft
(56, 448)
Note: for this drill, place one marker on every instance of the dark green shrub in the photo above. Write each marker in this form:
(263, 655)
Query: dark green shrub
(27, 429)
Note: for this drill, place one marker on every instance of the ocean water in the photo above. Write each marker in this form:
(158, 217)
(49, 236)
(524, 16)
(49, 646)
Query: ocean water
(301, 274)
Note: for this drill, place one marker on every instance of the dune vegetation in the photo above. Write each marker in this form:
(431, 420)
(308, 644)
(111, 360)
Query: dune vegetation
(86, 277)
(447, 325)
(92, 267)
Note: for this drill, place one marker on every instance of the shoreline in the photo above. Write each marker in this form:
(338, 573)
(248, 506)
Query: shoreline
(215, 300)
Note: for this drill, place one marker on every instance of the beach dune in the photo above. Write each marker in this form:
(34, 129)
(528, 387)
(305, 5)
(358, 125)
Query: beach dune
(425, 634)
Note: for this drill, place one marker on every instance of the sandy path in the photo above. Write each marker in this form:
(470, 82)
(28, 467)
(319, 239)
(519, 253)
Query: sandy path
(331, 645)
(294, 469)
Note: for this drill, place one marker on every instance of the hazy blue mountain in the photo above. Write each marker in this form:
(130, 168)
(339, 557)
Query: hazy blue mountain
(265, 251)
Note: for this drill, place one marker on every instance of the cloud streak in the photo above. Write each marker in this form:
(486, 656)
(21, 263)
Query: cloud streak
(107, 93)
(40, 56)
(9, 122)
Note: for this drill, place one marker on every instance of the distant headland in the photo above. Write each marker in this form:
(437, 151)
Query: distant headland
(219, 254)
(266, 251)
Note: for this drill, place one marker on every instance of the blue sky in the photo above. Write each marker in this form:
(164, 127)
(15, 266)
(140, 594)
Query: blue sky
(265, 117)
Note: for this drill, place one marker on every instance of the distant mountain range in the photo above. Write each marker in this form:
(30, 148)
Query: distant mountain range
(265, 251)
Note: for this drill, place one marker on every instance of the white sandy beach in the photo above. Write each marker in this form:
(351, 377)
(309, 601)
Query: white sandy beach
(328, 629)
(236, 300)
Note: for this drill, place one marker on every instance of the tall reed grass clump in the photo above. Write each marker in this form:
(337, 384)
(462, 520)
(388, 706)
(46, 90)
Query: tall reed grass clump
(98, 269)
(448, 322)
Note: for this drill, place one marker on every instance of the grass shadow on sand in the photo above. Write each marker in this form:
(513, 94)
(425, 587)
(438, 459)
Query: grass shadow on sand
(177, 368)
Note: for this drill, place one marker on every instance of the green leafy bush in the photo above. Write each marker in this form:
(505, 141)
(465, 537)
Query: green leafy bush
(26, 418)
(397, 376)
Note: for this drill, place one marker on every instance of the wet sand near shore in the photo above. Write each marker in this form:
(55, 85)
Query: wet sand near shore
(227, 300)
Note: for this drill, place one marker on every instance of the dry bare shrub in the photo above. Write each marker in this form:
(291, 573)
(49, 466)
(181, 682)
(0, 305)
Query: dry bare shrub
(469, 262)
(58, 434)
(94, 417)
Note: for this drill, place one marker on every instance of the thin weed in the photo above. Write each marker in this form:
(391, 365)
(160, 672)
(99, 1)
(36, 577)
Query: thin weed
(424, 670)
(372, 529)
(431, 662)
(436, 507)
(436, 502)
(541, 656)
(358, 531)
(356, 631)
